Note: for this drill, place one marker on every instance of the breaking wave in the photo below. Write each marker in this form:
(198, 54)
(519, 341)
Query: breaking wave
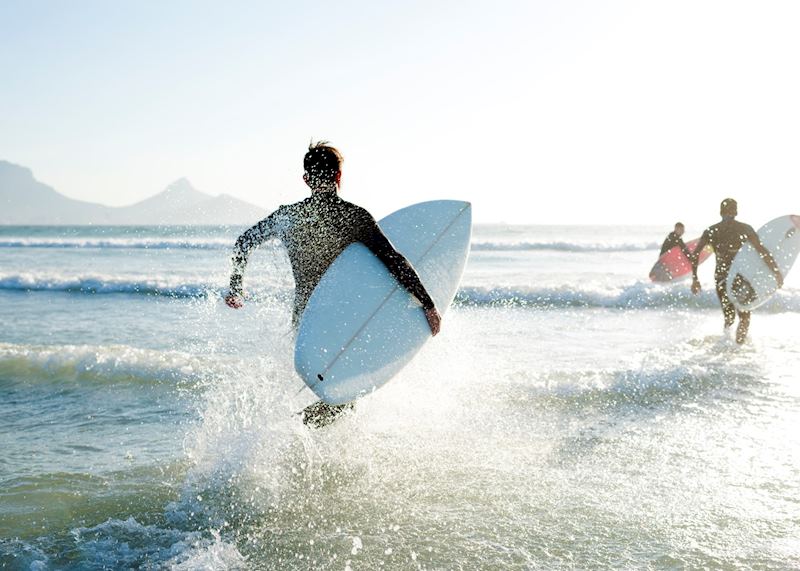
(121, 243)
(638, 295)
(562, 247)
(101, 363)
(226, 243)
(99, 284)
(635, 296)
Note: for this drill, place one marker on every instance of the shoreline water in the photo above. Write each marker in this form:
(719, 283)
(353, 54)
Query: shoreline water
(158, 431)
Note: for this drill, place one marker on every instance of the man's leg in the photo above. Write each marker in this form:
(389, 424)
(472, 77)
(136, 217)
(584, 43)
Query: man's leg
(744, 325)
(321, 414)
(728, 309)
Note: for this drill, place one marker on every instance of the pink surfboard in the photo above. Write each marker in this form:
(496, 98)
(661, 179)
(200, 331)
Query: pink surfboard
(674, 264)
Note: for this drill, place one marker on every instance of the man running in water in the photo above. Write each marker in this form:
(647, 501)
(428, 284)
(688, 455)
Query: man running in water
(315, 231)
(674, 239)
(726, 238)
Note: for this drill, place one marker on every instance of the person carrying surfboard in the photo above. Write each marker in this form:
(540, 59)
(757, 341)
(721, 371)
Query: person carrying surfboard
(315, 231)
(674, 239)
(726, 238)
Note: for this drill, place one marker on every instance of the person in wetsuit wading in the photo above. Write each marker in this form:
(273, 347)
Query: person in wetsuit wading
(315, 231)
(727, 237)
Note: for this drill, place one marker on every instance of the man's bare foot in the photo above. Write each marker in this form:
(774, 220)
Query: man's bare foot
(233, 301)
(321, 414)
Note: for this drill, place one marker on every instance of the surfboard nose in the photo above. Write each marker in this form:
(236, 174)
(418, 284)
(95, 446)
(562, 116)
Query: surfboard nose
(796, 220)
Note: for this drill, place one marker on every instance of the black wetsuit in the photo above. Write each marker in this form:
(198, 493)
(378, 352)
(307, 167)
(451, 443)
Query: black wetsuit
(671, 241)
(726, 237)
(315, 231)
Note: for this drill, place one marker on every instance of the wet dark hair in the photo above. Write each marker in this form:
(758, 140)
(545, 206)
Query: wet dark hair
(322, 162)
(679, 224)
(728, 207)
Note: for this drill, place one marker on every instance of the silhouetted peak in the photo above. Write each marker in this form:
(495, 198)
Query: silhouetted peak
(15, 173)
(178, 194)
(182, 184)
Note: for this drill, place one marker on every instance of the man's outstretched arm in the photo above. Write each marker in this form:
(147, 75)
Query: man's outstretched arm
(766, 255)
(402, 270)
(250, 239)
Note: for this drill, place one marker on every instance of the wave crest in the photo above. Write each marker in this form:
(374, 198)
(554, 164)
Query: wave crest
(107, 364)
(99, 284)
(635, 296)
(121, 243)
(226, 243)
(638, 295)
(561, 247)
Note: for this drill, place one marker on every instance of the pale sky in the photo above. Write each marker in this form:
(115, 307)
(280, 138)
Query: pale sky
(538, 112)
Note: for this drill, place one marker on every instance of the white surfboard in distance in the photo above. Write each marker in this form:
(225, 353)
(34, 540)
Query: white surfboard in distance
(750, 281)
(360, 326)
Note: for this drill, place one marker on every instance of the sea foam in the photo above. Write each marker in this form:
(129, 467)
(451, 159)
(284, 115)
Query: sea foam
(105, 284)
(226, 243)
(633, 295)
(101, 363)
(120, 243)
(639, 295)
(563, 246)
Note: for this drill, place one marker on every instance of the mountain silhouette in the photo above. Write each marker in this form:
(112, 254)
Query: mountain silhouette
(24, 200)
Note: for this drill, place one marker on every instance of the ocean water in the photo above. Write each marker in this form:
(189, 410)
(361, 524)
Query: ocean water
(571, 415)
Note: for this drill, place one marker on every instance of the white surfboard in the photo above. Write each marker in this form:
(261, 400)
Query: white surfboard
(750, 281)
(360, 327)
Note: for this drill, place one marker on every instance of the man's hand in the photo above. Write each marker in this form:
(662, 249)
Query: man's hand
(696, 286)
(434, 320)
(234, 301)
